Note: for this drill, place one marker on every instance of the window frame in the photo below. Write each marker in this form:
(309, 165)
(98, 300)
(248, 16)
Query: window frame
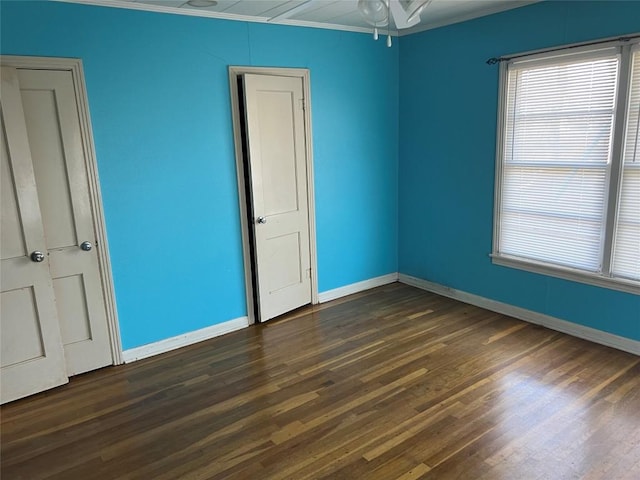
(624, 50)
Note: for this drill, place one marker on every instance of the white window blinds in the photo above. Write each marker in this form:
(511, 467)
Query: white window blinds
(559, 117)
(626, 242)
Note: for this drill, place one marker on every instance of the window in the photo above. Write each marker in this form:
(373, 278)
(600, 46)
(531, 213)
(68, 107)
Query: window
(568, 165)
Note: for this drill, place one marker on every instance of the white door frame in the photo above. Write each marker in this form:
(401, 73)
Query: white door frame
(304, 75)
(74, 65)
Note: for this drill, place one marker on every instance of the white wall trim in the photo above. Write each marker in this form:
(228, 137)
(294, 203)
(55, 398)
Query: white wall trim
(580, 331)
(357, 287)
(183, 340)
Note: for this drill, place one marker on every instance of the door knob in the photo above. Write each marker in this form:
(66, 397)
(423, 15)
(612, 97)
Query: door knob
(86, 246)
(37, 256)
(262, 220)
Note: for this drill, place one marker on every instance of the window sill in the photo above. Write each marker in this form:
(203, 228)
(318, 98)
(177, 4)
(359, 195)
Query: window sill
(628, 286)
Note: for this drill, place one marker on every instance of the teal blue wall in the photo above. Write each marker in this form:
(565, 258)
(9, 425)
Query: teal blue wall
(448, 107)
(159, 99)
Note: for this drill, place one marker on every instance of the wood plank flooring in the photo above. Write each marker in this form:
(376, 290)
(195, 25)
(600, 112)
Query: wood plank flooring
(393, 383)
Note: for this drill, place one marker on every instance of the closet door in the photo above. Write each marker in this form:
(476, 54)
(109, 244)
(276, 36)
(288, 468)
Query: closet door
(31, 351)
(58, 156)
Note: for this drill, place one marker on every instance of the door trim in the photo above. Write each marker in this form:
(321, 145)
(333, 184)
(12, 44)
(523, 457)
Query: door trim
(74, 65)
(304, 75)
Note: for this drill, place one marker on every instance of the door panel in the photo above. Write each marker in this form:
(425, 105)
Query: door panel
(31, 353)
(277, 152)
(75, 325)
(12, 241)
(24, 340)
(53, 188)
(289, 272)
(59, 164)
(277, 164)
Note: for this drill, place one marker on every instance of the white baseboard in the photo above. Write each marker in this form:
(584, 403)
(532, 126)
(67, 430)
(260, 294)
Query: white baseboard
(168, 344)
(587, 333)
(357, 287)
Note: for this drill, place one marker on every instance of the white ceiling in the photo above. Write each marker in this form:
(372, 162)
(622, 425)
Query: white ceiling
(331, 14)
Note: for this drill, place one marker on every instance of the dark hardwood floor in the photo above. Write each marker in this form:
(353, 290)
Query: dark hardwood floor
(393, 383)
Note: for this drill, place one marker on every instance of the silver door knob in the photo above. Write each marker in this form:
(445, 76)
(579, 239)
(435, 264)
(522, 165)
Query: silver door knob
(86, 246)
(37, 256)
(262, 220)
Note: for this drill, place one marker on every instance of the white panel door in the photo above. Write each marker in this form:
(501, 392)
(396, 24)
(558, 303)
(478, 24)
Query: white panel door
(277, 162)
(57, 151)
(31, 355)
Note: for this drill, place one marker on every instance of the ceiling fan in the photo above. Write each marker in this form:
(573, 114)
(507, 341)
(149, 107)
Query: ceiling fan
(405, 13)
(378, 12)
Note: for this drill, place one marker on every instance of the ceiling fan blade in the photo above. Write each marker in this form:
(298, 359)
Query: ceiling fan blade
(401, 17)
(416, 7)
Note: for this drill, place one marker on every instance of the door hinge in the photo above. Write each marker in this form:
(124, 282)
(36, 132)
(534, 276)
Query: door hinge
(308, 273)
(303, 106)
